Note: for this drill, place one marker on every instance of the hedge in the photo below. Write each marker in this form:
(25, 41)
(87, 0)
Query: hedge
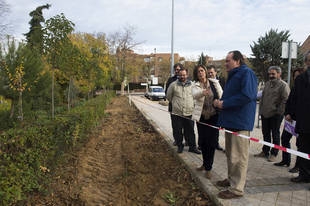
(29, 151)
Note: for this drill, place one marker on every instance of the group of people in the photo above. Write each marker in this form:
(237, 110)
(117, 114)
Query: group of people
(279, 102)
(209, 100)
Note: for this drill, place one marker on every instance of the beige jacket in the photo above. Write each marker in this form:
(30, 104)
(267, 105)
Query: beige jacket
(180, 95)
(274, 98)
(199, 98)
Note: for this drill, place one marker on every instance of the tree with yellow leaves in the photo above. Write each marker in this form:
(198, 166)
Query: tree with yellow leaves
(21, 70)
(95, 71)
(16, 83)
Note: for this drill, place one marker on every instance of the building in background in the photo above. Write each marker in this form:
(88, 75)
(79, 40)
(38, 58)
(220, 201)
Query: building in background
(154, 65)
(305, 46)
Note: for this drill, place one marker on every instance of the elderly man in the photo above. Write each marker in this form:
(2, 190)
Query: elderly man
(238, 106)
(301, 113)
(180, 95)
(272, 107)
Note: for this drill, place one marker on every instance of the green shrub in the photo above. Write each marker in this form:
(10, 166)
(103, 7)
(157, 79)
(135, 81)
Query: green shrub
(30, 150)
(6, 121)
(4, 104)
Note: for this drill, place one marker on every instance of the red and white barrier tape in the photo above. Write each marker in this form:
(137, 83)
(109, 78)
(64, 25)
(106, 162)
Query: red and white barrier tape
(288, 150)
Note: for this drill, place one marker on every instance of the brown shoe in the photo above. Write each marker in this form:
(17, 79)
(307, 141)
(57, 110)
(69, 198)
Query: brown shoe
(208, 175)
(228, 195)
(223, 183)
(272, 158)
(261, 154)
(201, 168)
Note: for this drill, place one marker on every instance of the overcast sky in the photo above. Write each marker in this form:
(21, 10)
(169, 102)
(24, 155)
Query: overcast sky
(210, 26)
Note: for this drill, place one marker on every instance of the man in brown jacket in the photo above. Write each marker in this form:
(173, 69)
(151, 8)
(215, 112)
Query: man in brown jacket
(272, 106)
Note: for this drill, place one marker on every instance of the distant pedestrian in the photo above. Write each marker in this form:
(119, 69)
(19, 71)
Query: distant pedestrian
(301, 112)
(212, 73)
(286, 136)
(238, 106)
(176, 68)
(271, 109)
(180, 95)
(205, 91)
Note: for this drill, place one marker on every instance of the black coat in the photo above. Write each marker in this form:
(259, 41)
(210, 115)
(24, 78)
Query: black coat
(170, 80)
(222, 81)
(300, 103)
(288, 106)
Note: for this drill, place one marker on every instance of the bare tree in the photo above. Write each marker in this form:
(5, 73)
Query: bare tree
(4, 10)
(164, 71)
(122, 44)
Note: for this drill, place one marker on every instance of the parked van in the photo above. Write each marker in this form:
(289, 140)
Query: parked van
(155, 93)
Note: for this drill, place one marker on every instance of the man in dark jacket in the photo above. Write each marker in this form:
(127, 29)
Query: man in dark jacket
(301, 113)
(176, 68)
(213, 74)
(238, 107)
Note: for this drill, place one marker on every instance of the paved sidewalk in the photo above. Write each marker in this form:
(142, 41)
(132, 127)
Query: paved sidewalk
(266, 184)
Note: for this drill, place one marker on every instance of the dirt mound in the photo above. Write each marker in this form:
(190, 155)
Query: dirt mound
(126, 163)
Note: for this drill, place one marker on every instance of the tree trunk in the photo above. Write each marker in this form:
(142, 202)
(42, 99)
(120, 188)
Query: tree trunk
(122, 88)
(12, 109)
(53, 106)
(20, 106)
(69, 91)
(20, 101)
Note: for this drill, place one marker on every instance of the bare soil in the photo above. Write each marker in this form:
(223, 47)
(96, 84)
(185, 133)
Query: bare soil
(125, 163)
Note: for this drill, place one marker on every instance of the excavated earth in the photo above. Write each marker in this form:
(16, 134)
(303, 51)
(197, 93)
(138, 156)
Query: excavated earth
(125, 162)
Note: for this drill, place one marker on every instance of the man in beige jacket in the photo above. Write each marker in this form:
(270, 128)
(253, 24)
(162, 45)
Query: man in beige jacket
(272, 106)
(180, 95)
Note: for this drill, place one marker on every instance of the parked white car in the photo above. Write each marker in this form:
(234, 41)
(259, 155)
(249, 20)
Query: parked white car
(155, 93)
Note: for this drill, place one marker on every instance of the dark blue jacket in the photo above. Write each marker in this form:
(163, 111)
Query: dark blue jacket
(239, 100)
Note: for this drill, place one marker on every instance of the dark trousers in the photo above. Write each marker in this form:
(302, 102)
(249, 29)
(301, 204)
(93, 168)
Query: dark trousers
(173, 126)
(304, 164)
(298, 149)
(217, 140)
(270, 126)
(208, 140)
(285, 141)
(183, 126)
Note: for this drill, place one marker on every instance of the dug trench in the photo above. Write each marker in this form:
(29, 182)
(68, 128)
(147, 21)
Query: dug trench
(124, 163)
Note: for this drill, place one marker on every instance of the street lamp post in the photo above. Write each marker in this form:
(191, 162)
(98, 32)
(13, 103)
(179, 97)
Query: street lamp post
(155, 72)
(172, 29)
(289, 62)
